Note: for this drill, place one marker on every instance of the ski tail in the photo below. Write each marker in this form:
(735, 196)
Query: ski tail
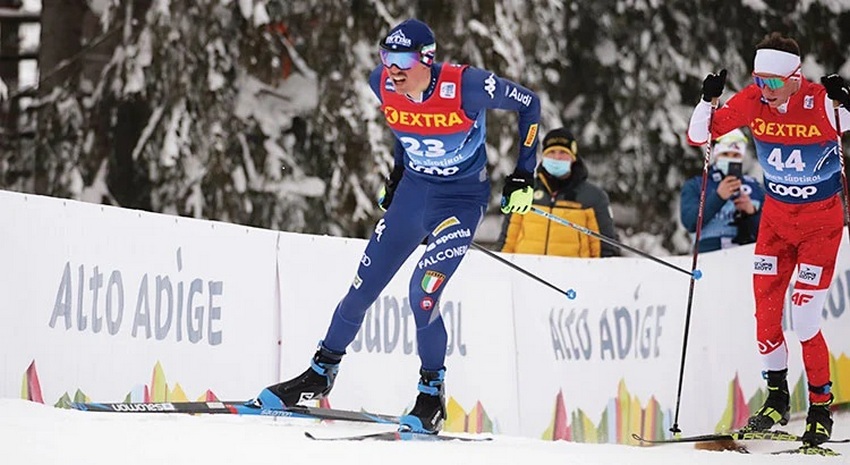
(237, 408)
(212, 407)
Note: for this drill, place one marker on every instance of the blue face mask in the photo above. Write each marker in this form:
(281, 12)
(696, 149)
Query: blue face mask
(557, 168)
(722, 164)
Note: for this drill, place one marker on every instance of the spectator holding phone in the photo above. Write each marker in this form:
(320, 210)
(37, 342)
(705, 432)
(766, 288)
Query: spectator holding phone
(732, 201)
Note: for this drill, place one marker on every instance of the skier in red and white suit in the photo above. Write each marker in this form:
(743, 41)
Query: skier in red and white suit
(792, 121)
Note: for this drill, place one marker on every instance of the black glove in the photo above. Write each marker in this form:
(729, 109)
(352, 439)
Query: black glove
(517, 193)
(713, 84)
(837, 89)
(747, 230)
(385, 197)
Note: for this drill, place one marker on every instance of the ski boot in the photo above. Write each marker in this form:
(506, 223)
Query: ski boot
(819, 419)
(777, 406)
(313, 384)
(429, 412)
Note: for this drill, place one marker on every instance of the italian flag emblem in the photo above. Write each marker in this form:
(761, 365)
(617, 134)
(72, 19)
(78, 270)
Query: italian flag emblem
(432, 281)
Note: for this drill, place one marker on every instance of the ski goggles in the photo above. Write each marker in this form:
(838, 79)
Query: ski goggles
(773, 83)
(405, 60)
(402, 60)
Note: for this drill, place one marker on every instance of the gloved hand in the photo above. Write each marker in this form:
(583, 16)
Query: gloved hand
(385, 196)
(837, 89)
(713, 84)
(518, 193)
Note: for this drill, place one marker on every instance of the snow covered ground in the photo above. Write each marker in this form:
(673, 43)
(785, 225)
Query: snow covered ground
(36, 434)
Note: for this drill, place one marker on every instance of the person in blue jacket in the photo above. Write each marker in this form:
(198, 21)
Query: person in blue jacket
(438, 191)
(732, 202)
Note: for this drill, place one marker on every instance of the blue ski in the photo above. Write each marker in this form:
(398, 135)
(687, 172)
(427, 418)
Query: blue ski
(236, 408)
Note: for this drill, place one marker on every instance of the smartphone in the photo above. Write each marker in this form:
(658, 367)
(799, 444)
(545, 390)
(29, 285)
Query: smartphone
(735, 169)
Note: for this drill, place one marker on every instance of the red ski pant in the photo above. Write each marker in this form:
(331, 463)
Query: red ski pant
(802, 238)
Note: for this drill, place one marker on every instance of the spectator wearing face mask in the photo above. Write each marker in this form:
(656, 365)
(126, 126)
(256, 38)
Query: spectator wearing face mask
(732, 202)
(561, 188)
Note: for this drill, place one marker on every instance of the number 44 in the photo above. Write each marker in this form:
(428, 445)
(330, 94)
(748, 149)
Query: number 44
(795, 160)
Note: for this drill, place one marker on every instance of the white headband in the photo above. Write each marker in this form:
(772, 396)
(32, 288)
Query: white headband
(770, 61)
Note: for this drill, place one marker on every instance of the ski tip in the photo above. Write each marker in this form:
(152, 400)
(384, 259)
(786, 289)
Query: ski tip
(809, 450)
(642, 441)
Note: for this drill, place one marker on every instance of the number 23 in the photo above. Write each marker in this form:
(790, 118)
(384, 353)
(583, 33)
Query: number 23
(433, 147)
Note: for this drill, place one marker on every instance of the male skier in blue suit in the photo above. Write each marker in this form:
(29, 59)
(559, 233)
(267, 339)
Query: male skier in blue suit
(439, 190)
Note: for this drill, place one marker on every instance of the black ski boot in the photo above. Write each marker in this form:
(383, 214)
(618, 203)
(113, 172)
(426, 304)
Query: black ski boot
(819, 419)
(777, 406)
(313, 384)
(429, 412)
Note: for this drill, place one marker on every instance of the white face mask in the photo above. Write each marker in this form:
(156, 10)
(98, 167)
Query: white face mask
(722, 164)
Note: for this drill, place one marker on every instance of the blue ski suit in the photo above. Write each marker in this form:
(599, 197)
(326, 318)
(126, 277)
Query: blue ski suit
(442, 195)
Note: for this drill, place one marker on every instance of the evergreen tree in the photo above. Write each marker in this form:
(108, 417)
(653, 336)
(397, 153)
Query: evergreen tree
(259, 112)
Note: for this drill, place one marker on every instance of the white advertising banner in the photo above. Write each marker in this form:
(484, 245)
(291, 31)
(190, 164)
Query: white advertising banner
(606, 365)
(590, 359)
(524, 359)
(104, 302)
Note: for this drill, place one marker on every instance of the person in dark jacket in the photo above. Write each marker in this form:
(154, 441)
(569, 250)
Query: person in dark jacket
(733, 201)
(561, 188)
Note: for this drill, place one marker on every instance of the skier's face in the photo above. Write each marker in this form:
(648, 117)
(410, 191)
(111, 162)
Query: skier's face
(776, 90)
(410, 81)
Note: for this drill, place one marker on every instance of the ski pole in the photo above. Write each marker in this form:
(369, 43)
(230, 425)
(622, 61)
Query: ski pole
(695, 274)
(841, 161)
(706, 160)
(570, 293)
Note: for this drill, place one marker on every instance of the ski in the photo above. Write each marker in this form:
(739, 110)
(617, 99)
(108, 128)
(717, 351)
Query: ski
(809, 450)
(212, 407)
(236, 408)
(772, 435)
(397, 436)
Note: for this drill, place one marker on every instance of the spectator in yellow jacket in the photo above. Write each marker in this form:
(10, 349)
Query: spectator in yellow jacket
(561, 188)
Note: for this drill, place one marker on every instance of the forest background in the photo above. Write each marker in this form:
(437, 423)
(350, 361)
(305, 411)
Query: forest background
(259, 112)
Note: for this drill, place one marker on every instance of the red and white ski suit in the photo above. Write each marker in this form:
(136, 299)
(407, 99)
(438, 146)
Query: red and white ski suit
(802, 218)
